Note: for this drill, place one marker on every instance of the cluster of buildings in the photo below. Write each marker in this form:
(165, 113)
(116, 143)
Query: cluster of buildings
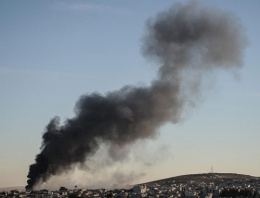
(236, 187)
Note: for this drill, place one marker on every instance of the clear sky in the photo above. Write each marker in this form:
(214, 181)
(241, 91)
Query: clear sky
(52, 52)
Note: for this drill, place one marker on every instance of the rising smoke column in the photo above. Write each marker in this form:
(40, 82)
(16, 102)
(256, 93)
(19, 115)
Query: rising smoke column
(188, 41)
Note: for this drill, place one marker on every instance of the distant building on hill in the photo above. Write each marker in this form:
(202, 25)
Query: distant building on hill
(139, 189)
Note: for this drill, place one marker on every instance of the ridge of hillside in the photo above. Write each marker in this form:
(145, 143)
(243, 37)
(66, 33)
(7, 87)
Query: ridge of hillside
(203, 177)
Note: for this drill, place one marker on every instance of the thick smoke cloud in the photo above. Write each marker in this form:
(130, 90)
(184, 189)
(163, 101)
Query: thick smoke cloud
(187, 41)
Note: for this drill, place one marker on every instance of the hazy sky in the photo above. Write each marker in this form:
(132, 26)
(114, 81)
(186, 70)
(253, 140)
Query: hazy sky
(52, 52)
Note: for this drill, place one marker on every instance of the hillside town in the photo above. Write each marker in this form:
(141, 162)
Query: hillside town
(172, 187)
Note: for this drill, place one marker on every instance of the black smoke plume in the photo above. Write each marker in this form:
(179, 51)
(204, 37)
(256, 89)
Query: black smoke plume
(187, 41)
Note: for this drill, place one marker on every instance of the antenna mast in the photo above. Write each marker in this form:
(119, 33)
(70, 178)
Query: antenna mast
(211, 170)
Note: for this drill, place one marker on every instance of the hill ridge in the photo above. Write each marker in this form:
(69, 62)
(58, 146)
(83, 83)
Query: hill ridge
(203, 177)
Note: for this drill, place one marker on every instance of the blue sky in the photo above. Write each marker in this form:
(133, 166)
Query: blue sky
(51, 52)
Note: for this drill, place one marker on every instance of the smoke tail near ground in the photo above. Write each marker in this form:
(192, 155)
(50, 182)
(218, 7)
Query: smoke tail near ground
(187, 41)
